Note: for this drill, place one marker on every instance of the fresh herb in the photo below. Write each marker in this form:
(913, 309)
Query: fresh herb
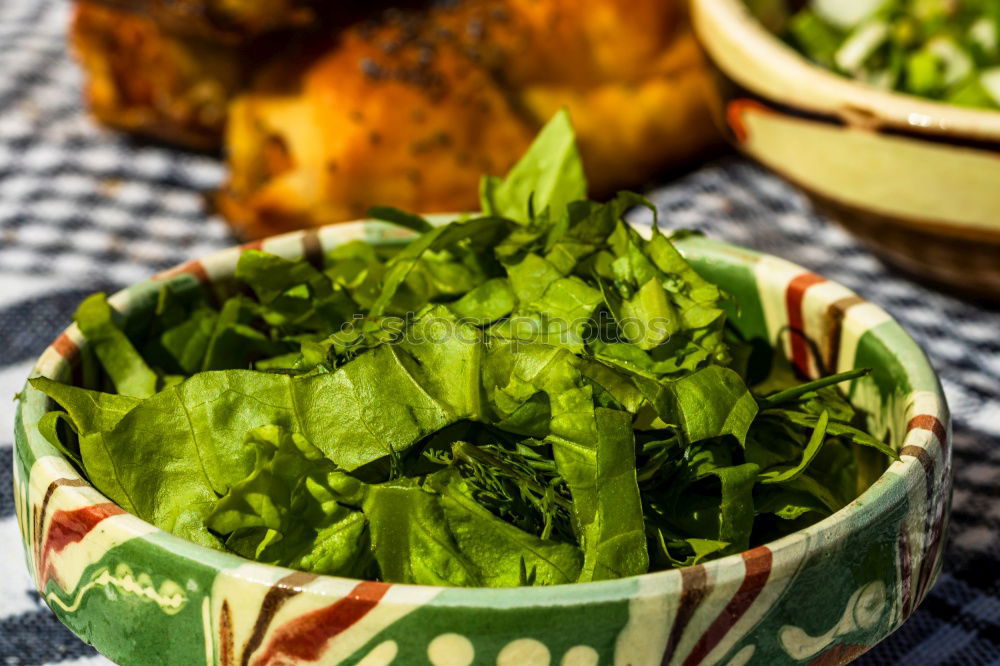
(536, 396)
(942, 49)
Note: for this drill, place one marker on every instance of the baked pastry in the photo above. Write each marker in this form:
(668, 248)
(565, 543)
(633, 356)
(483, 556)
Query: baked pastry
(327, 107)
(409, 110)
(143, 79)
(414, 127)
(168, 69)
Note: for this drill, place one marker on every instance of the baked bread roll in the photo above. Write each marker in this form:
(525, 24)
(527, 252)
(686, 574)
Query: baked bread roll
(142, 79)
(327, 107)
(410, 110)
(168, 69)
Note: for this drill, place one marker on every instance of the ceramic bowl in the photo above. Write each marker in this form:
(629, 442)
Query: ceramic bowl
(915, 179)
(821, 596)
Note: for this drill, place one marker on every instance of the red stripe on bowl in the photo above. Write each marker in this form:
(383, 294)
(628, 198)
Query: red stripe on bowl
(794, 295)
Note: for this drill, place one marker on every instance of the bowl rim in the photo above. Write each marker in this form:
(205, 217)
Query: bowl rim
(729, 25)
(862, 511)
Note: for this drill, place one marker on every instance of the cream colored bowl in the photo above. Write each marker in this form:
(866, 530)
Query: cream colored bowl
(917, 180)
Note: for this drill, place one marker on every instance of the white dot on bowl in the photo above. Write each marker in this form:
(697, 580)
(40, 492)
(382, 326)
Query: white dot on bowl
(451, 650)
(743, 657)
(382, 655)
(581, 655)
(524, 652)
(868, 607)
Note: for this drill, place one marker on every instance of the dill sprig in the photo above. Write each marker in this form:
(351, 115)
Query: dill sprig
(520, 486)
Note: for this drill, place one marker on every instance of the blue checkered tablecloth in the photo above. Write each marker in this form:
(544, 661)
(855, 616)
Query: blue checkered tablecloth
(85, 209)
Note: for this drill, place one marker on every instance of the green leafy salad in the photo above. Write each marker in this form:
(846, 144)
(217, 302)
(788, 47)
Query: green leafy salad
(534, 396)
(942, 49)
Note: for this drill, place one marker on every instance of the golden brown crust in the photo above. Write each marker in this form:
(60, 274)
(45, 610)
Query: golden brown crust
(406, 109)
(225, 21)
(412, 127)
(628, 132)
(629, 71)
(144, 80)
(409, 111)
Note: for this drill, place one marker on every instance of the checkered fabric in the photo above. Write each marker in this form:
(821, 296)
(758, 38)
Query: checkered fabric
(85, 209)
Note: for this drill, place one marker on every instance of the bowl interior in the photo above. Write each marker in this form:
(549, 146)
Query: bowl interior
(758, 60)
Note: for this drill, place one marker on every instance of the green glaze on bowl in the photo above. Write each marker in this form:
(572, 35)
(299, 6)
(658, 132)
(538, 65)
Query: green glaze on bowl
(819, 596)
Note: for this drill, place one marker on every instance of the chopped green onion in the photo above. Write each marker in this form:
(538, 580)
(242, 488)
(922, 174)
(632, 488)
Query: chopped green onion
(923, 76)
(983, 33)
(957, 63)
(940, 49)
(860, 45)
(990, 80)
(846, 14)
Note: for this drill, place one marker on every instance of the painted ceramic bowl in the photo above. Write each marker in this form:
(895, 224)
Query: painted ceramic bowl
(821, 596)
(915, 179)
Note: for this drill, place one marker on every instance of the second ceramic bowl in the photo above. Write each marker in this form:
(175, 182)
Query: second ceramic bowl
(917, 180)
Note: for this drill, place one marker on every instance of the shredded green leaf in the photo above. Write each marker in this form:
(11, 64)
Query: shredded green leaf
(536, 396)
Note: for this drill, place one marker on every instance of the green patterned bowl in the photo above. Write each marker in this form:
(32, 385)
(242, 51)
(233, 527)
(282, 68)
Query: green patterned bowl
(819, 596)
(915, 179)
